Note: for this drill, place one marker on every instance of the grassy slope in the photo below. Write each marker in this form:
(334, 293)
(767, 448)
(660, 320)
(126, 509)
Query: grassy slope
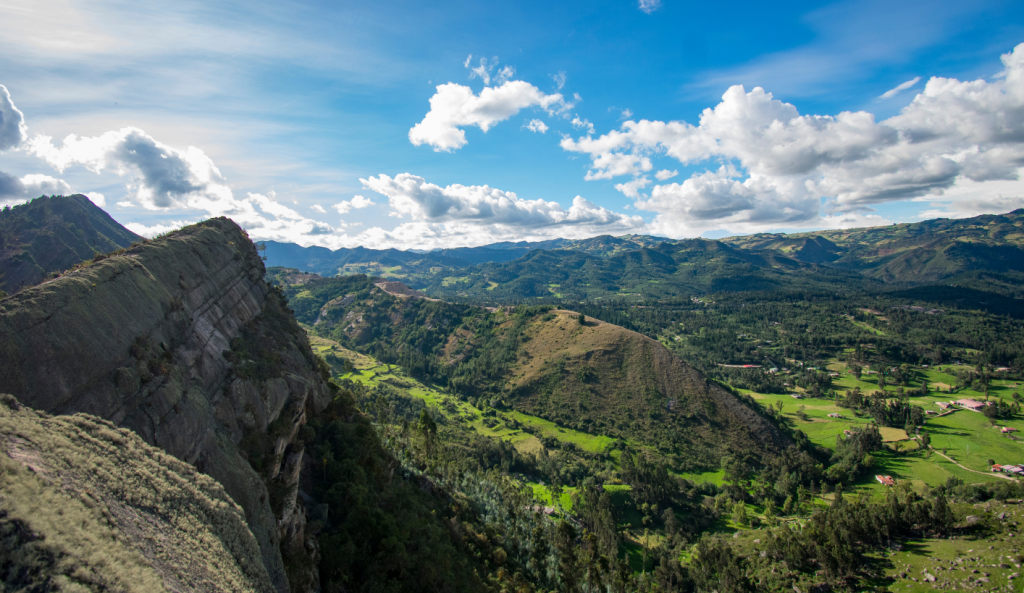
(85, 503)
(371, 372)
(596, 378)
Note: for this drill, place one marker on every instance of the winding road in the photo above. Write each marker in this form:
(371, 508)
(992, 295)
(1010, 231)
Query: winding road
(953, 461)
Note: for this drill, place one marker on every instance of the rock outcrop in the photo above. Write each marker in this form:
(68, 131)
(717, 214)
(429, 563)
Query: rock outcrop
(182, 341)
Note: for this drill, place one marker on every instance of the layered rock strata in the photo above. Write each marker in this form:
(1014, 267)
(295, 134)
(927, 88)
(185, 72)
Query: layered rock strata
(149, 340)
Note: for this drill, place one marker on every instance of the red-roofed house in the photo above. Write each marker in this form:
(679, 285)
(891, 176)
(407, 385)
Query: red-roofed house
(885, 480)
(1006, 429)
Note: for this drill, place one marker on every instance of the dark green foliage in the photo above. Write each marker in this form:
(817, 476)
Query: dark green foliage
(852, 454)
(716, 568)
(670, 270)
(957, 490)
(382, 530)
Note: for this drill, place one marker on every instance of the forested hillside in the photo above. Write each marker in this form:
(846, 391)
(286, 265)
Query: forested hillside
(915, 253)
(668, 270)
(587, 375)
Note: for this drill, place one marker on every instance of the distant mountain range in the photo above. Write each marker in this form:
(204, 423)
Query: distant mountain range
(417, 266)
(984, 252)
(52, 234)
(926, 251)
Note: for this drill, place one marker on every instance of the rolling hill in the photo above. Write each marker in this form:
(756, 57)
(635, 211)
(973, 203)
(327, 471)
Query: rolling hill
(593, 376)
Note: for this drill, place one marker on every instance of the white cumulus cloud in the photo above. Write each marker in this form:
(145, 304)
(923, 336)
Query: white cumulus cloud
(484, 206)
(356, 203)
(318, 208)
(665, 174)
(15, 190)
(162, 176)
(455, 106)
(582, 124)
(482, 71)
(536, 125)
(632, 188)
(786, 163)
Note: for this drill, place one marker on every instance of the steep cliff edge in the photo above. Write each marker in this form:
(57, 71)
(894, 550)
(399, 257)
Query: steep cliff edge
(181, 341)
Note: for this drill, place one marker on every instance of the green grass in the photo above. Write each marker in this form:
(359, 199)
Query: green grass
(715, 477)
(927, 555)
(371, 373)
(583, 440)
(542, 493)
(868, 328)
(967, 436)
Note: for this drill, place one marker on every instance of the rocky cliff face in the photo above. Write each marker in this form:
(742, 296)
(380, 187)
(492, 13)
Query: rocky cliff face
(181, 341)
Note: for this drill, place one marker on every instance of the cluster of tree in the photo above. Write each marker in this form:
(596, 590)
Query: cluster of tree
(832, 543)
(853, 454)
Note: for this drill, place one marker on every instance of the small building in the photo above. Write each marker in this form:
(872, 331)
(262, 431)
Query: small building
(847, 432)
(835, 415)
(1007, 429)
(970, 404)
(1003, 370)
(942, 405)
(996, 467)
(930, 412)
(796, 396)
(1012, 469)
(886, 480)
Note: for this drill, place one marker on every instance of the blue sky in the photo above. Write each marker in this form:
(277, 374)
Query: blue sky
(425, 125)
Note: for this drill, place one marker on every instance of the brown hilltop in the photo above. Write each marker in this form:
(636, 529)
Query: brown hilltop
(603, 377)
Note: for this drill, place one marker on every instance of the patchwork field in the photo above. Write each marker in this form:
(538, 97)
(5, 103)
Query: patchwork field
(965, 437)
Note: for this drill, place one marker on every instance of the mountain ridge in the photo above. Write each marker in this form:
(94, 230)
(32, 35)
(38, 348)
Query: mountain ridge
(51, 234)
(140, 339)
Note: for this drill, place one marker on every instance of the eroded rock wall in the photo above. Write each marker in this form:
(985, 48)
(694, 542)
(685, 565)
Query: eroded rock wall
(139, 339)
